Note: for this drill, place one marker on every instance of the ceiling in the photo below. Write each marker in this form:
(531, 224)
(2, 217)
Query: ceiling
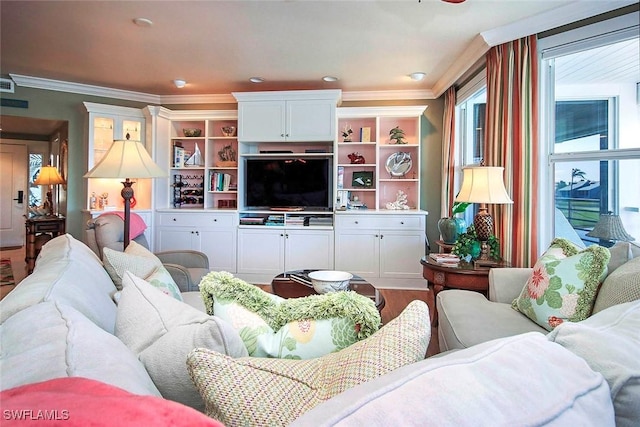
(216, 46)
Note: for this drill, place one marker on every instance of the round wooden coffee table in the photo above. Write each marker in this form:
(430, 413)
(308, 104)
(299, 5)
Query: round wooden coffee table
(295, 284)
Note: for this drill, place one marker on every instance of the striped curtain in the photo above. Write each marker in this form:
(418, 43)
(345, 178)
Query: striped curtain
(448, 152)
(512, 142)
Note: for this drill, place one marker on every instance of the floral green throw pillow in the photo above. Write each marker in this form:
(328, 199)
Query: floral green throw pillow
(251, 391)
(296, 328)
(564, 284)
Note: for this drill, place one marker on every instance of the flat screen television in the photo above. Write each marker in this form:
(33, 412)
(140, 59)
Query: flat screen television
(288, 183)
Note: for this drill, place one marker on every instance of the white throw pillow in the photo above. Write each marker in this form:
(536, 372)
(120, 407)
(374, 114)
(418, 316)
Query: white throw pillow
(162, 331)
(609, 341)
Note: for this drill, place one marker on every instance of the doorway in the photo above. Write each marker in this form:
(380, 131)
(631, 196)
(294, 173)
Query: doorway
(20, 138)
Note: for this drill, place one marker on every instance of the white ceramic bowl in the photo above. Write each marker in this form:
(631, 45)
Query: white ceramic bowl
(330, 280)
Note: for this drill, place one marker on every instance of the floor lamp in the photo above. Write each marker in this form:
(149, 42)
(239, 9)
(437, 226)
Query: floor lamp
(49, 176)
(126, 159)
(483, 184)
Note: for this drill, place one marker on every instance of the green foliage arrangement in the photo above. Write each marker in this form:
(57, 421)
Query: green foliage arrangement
(468, 246)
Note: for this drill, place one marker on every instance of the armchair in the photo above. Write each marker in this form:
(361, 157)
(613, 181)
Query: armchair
(186, 267)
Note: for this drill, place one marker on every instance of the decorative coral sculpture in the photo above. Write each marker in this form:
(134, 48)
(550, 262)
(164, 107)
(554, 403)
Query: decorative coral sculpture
(400, 203)
(396, 134)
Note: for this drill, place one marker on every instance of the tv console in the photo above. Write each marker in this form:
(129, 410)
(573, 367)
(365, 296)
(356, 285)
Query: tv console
(257, 243)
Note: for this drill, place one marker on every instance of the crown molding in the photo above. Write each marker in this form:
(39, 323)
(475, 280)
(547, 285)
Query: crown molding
(387, 95)
(83, 89)
(563, 15)
(472, 54)
(223, 98)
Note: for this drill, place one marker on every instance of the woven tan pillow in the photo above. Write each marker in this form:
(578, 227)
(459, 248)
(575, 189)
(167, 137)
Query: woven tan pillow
(255, 391)
(623, 285)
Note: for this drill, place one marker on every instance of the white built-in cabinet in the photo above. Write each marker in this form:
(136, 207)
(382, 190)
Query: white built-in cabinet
(214, 233)
(380, 245)
(265, 252)
(297, 116)
(104, 124)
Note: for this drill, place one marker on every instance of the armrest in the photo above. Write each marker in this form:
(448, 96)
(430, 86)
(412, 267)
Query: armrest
(185, 258)
(180, 275)
(505, 284)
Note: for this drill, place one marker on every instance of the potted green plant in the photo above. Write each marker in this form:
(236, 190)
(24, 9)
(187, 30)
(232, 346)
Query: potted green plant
(451, 227)
(467, 246)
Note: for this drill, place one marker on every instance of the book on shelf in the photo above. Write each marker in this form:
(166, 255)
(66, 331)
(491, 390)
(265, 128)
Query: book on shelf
(445, 258)
(220, 182)
(340, 177)
(178, 157)
(365, 134)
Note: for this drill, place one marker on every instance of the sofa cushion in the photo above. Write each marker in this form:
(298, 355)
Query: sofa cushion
(517, 380)
(266, 392)
(299, 328)
(162, 331)
(563, 284)
(143, 263)
(467, 318)
(609, 342)
(623, 285)
(69, 272)
(621, 252)
(80, 402)
(51, 340)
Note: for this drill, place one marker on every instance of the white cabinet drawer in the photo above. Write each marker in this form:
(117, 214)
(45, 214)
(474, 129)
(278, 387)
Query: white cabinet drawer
(381, 222)
(197, 219)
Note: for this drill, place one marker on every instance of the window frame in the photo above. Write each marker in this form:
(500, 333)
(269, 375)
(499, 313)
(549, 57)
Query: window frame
(584, 38)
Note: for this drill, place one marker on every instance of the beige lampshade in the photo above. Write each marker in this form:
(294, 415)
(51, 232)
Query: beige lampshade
(483, 184)
(48, 176)
(126, 159)
(609, 227)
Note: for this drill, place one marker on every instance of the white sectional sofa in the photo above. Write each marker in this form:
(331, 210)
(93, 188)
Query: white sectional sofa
(59, 322)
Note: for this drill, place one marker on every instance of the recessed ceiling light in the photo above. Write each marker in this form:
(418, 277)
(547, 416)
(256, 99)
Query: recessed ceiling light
(179, 83)
(143, 22)
(330, 79)
(416, 77)
(256, 79)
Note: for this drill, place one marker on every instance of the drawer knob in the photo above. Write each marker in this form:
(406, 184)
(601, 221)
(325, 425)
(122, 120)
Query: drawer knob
(173, 219)
(402, 222)
(215, 219)
(356, 222)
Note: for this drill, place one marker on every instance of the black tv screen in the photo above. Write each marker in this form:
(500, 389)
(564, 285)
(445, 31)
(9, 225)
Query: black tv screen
(291, 182)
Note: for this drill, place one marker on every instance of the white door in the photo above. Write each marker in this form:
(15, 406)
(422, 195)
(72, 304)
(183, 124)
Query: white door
(261, 251)
(358, 252)
(220, 247)
(311, 120)
(309, 249)
(13, 167)
(400, 253)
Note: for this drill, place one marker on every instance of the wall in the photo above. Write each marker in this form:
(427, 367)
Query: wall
(53, 105)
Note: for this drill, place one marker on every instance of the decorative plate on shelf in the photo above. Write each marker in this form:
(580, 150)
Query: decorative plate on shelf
(399, 163)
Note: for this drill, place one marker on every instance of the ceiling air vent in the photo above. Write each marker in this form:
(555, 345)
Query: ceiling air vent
(6, 85)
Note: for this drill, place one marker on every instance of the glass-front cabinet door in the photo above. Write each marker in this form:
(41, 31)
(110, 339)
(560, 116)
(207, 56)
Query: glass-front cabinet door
(105, 124)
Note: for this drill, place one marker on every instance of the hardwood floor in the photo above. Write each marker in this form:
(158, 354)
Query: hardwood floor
(395, 300)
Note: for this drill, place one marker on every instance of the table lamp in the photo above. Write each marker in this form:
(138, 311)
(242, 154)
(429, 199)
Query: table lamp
(609, 227)
(126, 159)
(483, 184)
(49, 176)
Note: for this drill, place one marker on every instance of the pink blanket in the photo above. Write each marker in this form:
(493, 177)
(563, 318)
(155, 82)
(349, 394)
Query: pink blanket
(76, 401)
(136, 226)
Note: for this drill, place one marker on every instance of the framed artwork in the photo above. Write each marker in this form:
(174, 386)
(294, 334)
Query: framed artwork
(362, 179)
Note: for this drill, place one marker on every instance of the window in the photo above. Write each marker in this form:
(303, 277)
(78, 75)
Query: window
(470, 130)
(592, 116)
